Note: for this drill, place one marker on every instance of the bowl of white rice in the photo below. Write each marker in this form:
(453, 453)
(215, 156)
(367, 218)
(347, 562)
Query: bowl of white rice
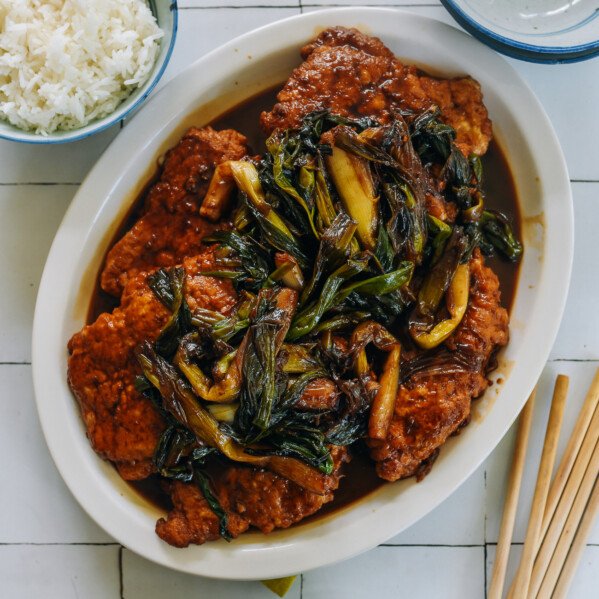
(71, 68)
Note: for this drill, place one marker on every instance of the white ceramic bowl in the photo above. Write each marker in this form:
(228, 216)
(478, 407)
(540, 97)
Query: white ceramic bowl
(166, 14)
(548, 31)
(210, 86)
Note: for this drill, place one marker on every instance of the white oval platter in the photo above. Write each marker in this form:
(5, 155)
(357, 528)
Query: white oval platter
(215, 83)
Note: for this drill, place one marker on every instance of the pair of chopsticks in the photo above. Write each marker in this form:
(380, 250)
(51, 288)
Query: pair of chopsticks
(563, 510)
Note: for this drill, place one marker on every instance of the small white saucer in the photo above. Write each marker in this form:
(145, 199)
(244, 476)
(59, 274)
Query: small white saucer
(534, 30)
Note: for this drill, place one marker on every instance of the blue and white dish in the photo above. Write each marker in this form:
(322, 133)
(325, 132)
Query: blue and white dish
(547, 31)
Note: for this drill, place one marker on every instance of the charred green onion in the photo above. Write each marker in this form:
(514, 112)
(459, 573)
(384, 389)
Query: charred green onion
(183, 406)
(353, 180)
(381, 411)
(291, 274)
(218, 197)
(223, 412)
(343, 231)
(298, 358)
(308, 318)
(499, 232)
(168, 286)
(223, 391)
(282, 162)
(457, 302)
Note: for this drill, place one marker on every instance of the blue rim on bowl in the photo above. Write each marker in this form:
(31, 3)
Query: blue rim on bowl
(121, 112)
(521, 50)
(526, 56)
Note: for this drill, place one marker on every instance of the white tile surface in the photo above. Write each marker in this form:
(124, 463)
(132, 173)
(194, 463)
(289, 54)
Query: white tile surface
(35, 504)
(457, 521)
(580, 114)
(36, 507)
(578, 336)
(29, 217)
(402, 572)
(59, 572)
(58, 163)
(144, 580)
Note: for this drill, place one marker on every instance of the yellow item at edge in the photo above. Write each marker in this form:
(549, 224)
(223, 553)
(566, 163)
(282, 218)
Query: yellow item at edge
(280, 586)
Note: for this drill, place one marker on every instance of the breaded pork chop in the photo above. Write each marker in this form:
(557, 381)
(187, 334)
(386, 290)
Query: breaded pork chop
(430, 408)
(251, 497)
(353, 74)
(123, 426)
(170, 226)
(192, 520)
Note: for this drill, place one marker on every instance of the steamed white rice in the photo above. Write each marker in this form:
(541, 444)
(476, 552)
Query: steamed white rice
(64, 63)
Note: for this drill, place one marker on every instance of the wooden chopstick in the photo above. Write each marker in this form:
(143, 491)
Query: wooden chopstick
(554, 566)
(578, 545)
(511, 501)
(571, 451)
(583, 473)
(520, 586)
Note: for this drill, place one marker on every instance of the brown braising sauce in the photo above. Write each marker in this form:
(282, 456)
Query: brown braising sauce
(359, 478)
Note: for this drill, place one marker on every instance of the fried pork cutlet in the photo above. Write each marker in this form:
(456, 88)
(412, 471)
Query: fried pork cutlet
(170, 226)
(123, 426)
(192, 520)
(353, 74)
(430, 408)
(250, 497)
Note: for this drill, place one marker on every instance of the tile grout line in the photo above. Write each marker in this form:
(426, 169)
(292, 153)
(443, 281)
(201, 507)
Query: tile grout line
(341, 4)
(459, 546)
(15, 363)
(485, 569)
(301, 586)
(485, 537)
(242, 7)
(121, 588)
(494, 543)
(579, 360)
(58, 544)
(40, 183)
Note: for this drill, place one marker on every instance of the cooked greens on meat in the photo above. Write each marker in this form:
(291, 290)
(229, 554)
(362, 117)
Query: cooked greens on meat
(283, 311)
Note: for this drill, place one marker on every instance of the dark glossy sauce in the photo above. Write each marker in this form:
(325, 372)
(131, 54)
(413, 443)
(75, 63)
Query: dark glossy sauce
(501, 195)
(359, 478)
(102, 301)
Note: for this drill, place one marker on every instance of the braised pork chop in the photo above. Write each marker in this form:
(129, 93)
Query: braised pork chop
(122, 425)
(353, 74)
(170, 226)
(251, 497)
(430, 408)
